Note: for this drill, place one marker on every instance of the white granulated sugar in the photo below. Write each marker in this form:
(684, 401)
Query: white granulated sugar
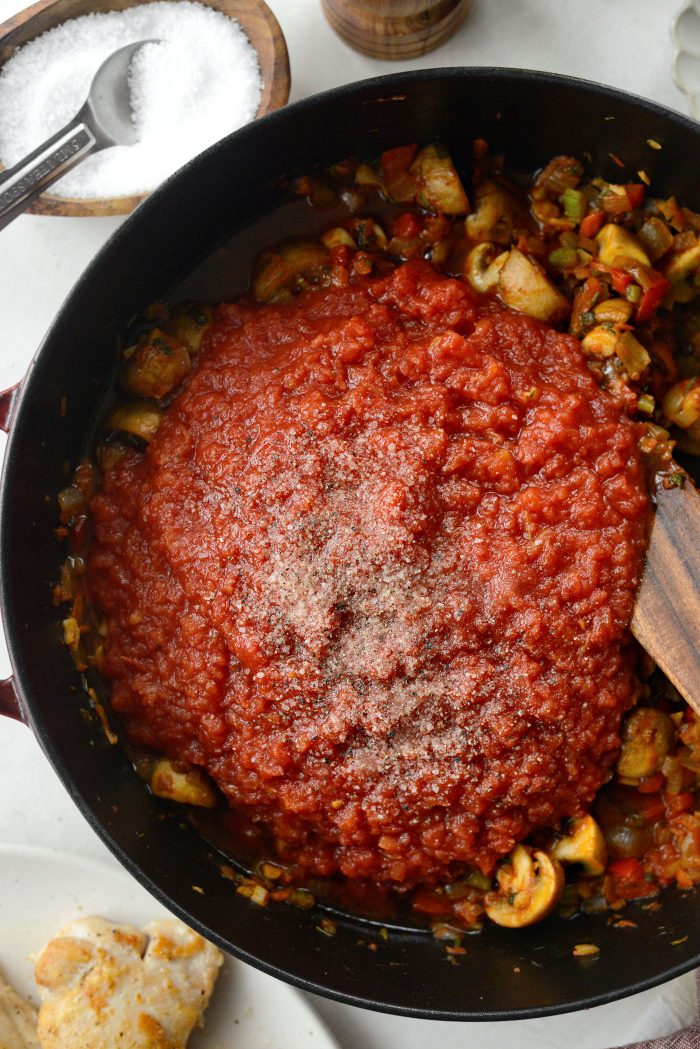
(200, 83)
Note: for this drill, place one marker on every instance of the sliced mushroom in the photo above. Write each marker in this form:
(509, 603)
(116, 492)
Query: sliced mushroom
(158, 365)
(599, 342)
(188, 324)
(584, 843)
(497, 216)
(529, 885)
(523, 285)
(613, 311)
(632, 354)
(186, 784)
(337, 237)
(682, 265)
(648, 736)
(614, 241)
(439, 185)
(286, 266)
(482, 267)
(368, 234)
(681, 405)
(138, 418)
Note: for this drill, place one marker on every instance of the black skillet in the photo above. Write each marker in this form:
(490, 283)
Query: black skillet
(530, 117)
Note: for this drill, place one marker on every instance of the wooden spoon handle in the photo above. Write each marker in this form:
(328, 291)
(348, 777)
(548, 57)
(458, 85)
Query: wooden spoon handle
(666, 619)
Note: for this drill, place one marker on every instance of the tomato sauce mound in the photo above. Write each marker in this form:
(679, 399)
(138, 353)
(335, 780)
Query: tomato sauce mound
(375, 574)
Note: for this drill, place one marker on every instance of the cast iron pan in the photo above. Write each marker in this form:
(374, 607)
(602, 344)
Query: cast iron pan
(504, 974)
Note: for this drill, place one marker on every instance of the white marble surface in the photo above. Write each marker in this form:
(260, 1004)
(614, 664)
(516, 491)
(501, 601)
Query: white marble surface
(620, 42)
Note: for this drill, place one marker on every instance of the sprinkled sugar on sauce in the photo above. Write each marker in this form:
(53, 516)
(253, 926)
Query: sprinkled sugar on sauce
(375, 572)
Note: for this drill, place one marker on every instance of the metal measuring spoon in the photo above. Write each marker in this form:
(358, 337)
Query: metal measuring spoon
(104, 120)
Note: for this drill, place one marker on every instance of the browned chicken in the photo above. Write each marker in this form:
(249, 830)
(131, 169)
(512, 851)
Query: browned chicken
(107, 986)
(17, 1020)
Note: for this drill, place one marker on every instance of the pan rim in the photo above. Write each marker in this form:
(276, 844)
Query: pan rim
(124, 233)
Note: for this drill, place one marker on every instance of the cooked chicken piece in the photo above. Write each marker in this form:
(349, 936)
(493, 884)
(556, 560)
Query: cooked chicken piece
(107, 986)
(17, 1020)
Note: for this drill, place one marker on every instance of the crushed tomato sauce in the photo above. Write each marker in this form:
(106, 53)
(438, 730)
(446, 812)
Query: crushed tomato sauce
(375, 573)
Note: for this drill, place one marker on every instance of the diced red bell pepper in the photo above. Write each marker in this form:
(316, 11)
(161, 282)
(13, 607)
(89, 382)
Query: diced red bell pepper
(620, 280)
(398, 181)
(635, 194)
(591, 224)
(651, 784)
(395, 161)
(647, 805)
(436, 227)
(406, 225)
(341, 255)
(651, 299)
(584, 301)
(627, 869)
(654, 811)
(677, 803)
(630, 882)
(654, 287)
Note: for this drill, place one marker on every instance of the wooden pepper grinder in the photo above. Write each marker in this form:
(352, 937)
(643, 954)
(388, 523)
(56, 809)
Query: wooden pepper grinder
(395, 28)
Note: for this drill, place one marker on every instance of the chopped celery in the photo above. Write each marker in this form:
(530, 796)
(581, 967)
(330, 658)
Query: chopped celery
(564, 258)
(574, 203)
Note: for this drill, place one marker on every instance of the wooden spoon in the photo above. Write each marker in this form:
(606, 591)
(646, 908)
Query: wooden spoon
(666, 619)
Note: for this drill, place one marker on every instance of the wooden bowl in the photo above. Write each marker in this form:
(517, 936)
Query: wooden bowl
(255, 18)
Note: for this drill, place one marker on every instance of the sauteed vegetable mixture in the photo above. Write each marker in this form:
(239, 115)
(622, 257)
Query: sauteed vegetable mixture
(358, 553)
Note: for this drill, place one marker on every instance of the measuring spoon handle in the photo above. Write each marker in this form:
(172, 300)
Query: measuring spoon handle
(21, 184)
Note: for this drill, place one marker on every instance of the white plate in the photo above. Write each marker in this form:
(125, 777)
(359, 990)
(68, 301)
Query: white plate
(685, 33)
(41, 890)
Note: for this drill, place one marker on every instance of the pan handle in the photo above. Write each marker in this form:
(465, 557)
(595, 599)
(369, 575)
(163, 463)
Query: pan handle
(7, 404)
(9, 700)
